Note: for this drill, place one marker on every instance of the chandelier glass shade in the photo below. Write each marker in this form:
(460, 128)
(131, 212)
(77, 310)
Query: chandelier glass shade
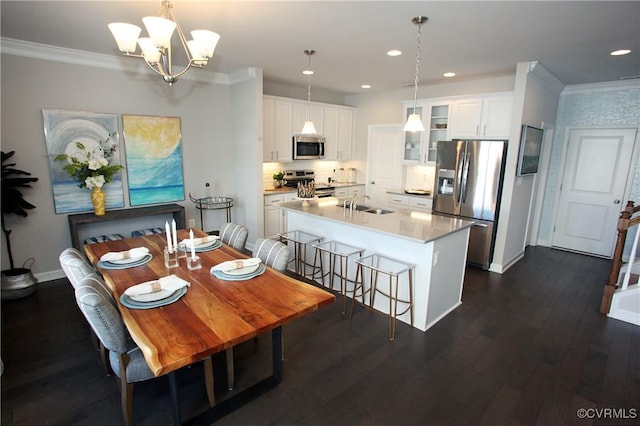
(414, 122)
(309, 128)
(156, 48)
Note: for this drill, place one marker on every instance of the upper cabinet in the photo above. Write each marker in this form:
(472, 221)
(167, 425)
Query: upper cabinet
(277, 135)
(338, 133)
(284, 117)
(420, 147)
(482, 117)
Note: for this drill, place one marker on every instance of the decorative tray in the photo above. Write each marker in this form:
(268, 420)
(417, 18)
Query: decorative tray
(417, 192)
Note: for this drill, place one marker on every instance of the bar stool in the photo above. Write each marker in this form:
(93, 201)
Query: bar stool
(300, 240)
(341, 251)
(376, 264)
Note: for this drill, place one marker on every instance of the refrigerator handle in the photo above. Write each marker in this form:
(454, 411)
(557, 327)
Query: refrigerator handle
(465, 177)
(458, 185)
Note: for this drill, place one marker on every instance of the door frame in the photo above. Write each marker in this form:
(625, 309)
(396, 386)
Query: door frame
(540, 183)
(563, 161)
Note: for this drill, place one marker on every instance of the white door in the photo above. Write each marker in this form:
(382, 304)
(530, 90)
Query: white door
(591, 197)
(384, 170)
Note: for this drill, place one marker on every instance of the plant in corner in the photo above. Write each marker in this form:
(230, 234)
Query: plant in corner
(16, 282)
(278, 179)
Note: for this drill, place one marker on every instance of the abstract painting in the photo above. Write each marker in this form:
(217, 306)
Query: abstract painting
(154, 159)
(62, 129)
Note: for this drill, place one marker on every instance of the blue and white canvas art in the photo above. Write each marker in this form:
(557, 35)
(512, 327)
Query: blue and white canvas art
(62, 129)
(154, 159)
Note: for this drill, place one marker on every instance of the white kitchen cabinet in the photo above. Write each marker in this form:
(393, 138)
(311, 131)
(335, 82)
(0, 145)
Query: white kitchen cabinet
(421, 147)
(275, 220)
(277, 133)
(338, 132)
(420, 204)
(408, 202)
(483, 117)
(349, 191)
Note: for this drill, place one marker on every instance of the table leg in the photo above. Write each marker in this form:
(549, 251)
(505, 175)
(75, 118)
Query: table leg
(174, 398)
(233, 403)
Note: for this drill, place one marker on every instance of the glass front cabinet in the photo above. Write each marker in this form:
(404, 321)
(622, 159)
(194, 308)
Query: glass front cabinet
(420, 147)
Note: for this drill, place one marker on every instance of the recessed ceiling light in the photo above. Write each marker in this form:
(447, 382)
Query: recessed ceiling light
(449, 74)
(307, 72)
(394, 52)
(620, 52)
(366, 86)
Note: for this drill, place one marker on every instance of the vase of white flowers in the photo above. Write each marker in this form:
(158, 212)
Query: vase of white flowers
(92, 168)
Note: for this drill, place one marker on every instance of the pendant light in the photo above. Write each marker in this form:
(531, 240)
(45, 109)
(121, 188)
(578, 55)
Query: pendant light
(414, 122)
(308, 128)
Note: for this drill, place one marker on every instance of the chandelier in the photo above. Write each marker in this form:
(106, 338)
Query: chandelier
(156, 49)
(308, 128)
(414, 123)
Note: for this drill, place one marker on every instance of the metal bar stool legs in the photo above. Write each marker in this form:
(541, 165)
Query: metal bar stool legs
(338, 253)
(300, 240)
(394, 269)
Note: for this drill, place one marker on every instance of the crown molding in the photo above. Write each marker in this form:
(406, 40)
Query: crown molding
(543, 75)
(606, 86)
(97, 60)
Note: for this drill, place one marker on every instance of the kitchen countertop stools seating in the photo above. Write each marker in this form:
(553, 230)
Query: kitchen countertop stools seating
(301, 242)
(371, 267)
(340, 253)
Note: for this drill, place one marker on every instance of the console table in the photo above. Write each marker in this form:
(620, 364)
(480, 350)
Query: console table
(77, 220)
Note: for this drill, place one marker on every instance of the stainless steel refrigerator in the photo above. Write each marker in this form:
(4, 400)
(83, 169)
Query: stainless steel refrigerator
(469, 176)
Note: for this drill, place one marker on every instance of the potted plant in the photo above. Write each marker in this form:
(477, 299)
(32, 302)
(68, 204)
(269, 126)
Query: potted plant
(278, 179)
(16, 282)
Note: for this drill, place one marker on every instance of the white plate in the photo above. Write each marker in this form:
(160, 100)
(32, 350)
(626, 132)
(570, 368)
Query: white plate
(152, 297)
(127, 261)
(242, 271)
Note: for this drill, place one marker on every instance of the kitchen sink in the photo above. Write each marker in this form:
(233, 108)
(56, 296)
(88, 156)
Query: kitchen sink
(358, 208)
(378, 211)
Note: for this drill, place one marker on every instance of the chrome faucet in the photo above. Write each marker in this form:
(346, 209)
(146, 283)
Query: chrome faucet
(353, 204)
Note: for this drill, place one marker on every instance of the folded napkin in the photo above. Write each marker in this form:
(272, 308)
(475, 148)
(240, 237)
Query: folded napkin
(170, 283)
(134, 253)
(231, 265)
(202, 240)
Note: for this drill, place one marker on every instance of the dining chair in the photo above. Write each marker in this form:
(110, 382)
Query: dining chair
(234, 235)
(272, 253)
(125, 357)
(76, 268)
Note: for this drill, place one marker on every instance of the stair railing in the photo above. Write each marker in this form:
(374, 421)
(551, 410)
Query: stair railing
(625, 221)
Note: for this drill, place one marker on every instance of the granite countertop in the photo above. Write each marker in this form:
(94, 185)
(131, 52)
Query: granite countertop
(401, 192)
(415, 226)
(284, 190)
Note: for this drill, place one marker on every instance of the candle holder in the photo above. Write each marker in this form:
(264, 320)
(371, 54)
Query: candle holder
(182, 250)
(170, 258)
(194, 263)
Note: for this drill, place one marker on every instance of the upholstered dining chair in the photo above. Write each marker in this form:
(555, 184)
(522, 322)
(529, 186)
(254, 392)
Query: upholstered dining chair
(125, 357)
(234, 235)
(272, 253)
(76, 268)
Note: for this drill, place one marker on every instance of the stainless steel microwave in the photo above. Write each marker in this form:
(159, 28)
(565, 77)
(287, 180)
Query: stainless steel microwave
(308, 147)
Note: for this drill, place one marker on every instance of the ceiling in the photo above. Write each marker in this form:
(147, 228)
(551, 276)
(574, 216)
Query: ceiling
(476, 39)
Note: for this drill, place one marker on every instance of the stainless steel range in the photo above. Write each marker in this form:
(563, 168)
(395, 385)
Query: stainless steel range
(293, 177)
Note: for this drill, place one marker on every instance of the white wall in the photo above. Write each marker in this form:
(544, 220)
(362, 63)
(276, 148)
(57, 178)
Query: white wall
(615, 104)
(211, 150)
(535, 101)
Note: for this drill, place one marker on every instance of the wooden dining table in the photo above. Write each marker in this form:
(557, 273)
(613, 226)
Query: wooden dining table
(212, 316)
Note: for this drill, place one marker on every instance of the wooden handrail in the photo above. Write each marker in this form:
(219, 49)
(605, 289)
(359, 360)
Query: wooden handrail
(625, 221)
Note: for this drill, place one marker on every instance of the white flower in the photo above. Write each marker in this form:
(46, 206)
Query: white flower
(93, 181)
(96, 163)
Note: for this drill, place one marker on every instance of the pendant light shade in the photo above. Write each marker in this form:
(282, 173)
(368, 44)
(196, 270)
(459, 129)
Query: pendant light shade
(309, 128)
(414, 121)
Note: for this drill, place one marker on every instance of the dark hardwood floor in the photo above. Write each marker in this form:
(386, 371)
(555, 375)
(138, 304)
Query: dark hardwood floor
(525, 348)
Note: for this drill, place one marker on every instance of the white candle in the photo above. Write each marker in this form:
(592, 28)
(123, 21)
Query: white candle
(166, 228)
(193, 245)
(175, 233)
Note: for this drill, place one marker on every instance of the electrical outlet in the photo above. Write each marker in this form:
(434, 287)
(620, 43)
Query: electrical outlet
(192, 223)
(436, 255)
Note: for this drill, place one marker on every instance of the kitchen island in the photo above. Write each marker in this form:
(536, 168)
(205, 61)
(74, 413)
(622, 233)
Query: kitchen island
(437, 245)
